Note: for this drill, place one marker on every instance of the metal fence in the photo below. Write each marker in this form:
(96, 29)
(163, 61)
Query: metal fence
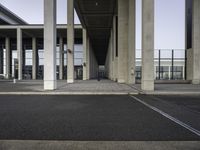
(169, 64)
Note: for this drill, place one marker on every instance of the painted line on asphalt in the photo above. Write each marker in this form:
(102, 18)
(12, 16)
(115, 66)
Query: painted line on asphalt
(177, 121)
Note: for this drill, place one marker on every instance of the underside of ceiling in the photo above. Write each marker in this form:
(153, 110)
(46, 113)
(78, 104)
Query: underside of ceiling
(97, 17)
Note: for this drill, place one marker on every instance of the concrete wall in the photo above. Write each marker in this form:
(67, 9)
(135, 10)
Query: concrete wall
(189, 63)
(93, 64)
(196, 42)
(1, 59)
(108, 63)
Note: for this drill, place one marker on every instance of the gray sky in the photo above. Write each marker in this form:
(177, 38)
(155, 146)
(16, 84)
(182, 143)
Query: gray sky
(169, 19)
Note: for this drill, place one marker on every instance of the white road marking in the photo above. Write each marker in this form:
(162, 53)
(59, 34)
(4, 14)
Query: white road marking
(186, 126)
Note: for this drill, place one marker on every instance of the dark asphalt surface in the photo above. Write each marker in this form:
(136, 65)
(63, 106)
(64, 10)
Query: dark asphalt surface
(190, 102)
(85, 118)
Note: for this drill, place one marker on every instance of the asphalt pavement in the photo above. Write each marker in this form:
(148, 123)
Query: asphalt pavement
(87, 118)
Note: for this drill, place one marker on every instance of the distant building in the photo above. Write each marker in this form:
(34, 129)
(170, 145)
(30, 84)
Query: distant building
(9, 18)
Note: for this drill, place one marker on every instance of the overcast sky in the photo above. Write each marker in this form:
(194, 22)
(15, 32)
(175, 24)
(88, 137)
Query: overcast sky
(169, 19)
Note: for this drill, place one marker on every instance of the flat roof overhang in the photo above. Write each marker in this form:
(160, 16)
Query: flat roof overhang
(97, 17)
(36, 31)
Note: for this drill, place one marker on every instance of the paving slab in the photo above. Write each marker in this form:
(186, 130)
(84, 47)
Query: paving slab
(90, 87)
(99, 145)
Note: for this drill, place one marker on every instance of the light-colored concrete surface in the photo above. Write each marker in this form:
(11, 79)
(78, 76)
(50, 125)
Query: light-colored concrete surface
(189, 64)
(19, 53)
(61, 66)
(50, 44)
(148, 45)
(86, 63)
(123, 10)
(89, 87)
(70, 41)
(115, 72)
(196, 42)
(99, 145)
(34, 58)
(131, 43)
(8, 50)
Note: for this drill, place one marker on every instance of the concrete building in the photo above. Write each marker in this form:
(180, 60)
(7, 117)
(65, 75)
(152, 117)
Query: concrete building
(107, 36)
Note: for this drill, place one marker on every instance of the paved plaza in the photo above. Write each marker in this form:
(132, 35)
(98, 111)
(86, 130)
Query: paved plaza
(94, 87)
(79, 87)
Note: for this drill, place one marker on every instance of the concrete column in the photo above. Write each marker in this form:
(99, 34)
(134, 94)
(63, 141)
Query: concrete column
(70, 41)
(123, 11)
(111, 55)
(196, 42)
(131, 43)
(169, 72)
(34, 59)
(88, 58)
(19, 53)
(50, 44)
(115, 67)
(61, 67)
(8, 51)
(1, 59)
(85, 56)
(148, 45)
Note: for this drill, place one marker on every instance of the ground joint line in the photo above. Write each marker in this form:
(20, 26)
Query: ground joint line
(186, 126)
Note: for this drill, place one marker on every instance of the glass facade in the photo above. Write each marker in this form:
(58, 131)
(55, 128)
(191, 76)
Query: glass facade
(168, 64)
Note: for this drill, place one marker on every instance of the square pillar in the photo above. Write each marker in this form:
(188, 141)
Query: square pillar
(50, 44)
(8, 51)
(115, 66)
(1, 59)
(86, 58)
(196, 42)
(61, 67)
(148, 45)
(131, 43)
(19, 53)
(34, 58)
(70, 41)
(84, 54)
(123, 12)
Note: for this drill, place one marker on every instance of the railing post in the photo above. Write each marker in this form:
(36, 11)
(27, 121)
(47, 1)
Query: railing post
(159, 64)
(172, 75)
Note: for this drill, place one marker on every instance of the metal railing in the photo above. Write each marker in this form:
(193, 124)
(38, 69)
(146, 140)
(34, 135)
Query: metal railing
(169, 64)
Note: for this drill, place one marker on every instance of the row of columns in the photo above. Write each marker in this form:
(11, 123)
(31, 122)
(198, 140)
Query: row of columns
(35, 58)
(50, 46)
(121, 66)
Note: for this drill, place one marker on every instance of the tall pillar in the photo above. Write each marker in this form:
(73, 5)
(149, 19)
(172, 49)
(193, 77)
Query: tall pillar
(50, 44)
(8, 51)
(123, 40)
(70, 41)
(196, 42)
(1, 59)
(34, 59)
(131, 43)
(88, 63)
(115, 67)
(85, 55)
(148, 45)
(19, 53)
(61, 67)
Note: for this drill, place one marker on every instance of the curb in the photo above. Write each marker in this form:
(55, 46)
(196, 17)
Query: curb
(69, 93)
(171, 93)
